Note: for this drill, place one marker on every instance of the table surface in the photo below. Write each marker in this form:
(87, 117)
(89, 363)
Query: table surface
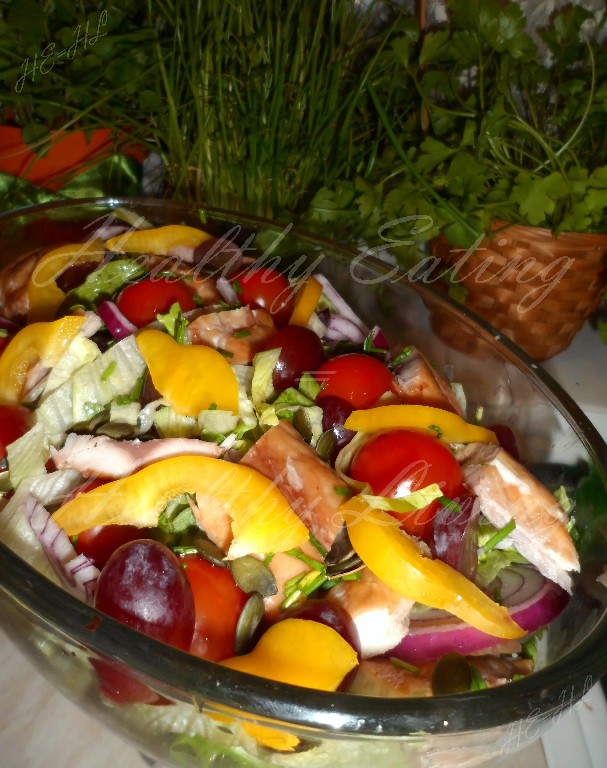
(41, 729)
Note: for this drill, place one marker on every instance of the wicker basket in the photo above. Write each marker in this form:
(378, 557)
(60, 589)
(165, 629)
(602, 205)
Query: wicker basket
(536, 289)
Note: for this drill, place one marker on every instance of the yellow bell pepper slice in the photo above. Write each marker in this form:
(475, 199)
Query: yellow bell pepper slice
(39, 342)
(395, 558)
(158, 240)
(306, 300)
(299, 652)
(261, 518)
(191, 376)
(43, 293)
(435, 421)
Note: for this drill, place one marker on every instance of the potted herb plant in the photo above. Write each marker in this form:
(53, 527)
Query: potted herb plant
(73, 79)
(505, 160)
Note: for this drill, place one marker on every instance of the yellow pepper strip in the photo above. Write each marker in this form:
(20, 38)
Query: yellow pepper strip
(158, 241)
(261, 518)
(395, 558)
(306, 299)
(435, 421)
(39, 342)
(191, 376)
(43, 293)
(299, 652)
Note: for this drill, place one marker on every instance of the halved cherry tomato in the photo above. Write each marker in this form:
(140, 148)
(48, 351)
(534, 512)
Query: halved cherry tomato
(356, 378)
(141, 302)
(100, 542)
(15, 421)
(268, 289)
(218, 603)
(401, 461)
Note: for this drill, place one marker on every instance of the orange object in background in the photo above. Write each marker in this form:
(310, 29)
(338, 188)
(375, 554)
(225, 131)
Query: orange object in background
(69, 153)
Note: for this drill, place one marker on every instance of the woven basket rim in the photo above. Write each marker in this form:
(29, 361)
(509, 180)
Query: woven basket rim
(499, 226)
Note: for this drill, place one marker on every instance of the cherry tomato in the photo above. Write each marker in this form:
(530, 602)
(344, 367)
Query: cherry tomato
(356, 378)
(268, 289)
(141, 302)
(100, 542)
(401, 461)
(301, 350)
(15, 421)
(218, 603)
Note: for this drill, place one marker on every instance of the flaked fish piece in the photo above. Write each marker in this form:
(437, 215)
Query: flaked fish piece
(238, 333)
(285, 567)
(99, 455)
(507, 491)
(418, 383)
(380, 614)
(382, 677)
(310, 486)
(202, 285)
(14, 278)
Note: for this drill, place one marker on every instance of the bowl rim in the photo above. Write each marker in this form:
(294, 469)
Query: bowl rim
(187, 677)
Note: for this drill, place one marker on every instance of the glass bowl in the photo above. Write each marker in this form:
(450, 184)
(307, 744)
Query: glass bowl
(208, 711)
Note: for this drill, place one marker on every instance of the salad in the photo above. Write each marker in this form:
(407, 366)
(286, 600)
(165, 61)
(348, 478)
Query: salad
(227, 459)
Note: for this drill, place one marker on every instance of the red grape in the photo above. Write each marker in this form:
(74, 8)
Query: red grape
(331, 614)
(144, 585)
(301, 351)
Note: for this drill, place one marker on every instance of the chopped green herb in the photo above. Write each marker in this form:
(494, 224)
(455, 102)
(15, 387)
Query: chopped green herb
(499, 536)
(449, 504)
(242, 334)
(478, 682)
(212, 407)
(437, 429)
(225, 352)
(309, 561)
(134, 395)
(402, 356)
(174, 323)
(109, 371)
(237, 287)
(404, 665)
(317, 545)
(202, 216)
(342, 490)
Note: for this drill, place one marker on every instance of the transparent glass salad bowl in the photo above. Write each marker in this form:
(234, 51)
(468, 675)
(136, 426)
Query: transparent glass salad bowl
(207, 711)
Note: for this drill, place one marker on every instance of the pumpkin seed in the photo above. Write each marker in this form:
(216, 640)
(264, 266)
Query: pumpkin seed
(326, 445)
(451, 675)
(253, 575)
(250, 621)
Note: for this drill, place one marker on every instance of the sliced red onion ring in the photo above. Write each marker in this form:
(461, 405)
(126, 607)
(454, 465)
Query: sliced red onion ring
(341, 307)
(377, 338)
(116, 323)
(77, 571)
(341, 329)
(532, 600)
(9, 325)
(226, 291)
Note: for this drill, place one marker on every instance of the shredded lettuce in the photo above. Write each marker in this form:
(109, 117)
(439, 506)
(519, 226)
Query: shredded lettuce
(125, 414)
(491, 563)
(103, 283)
(84, 392)
(217, 421)
(410, 503)
(80, 352)
(262, 390)
(174, 323)
(28, 455)
(171, 424)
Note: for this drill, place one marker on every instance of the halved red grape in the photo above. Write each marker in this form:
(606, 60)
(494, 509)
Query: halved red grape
(301, 351)
(143, 585)
(335, 411)
(454, 538)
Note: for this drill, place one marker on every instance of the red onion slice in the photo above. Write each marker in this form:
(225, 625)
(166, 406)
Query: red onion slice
(77, 571)
(532, 600)
(226, 291)
(342, 308)
(341, 329)
(116, 323)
